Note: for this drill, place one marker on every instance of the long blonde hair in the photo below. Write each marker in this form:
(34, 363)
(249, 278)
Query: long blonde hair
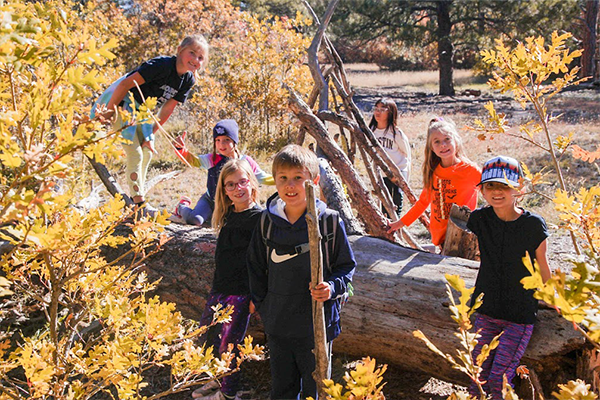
(447, 127)
(222, 202)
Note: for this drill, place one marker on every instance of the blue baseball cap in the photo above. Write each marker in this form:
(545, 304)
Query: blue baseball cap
(501, 169)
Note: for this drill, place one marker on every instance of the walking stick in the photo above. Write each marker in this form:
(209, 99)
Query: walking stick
(316, 274)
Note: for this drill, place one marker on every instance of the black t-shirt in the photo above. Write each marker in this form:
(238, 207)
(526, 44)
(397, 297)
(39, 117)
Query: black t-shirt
(231, 273)
(502, 245)
(162, 81)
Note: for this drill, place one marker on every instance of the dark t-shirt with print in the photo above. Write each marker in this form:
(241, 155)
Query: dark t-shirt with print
(502, 245)
(162, 81)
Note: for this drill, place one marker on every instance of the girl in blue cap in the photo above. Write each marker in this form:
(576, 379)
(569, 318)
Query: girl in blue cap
(226, 138)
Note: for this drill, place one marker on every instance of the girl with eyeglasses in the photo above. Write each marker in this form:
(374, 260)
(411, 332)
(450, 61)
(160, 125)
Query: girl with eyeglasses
(226, 138)
(234, 218)
(384, 125)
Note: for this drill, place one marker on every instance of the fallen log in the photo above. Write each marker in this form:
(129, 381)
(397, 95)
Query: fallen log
(396, 291)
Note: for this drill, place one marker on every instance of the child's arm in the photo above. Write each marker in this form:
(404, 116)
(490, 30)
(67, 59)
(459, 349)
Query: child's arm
(257, 264)
(165, 112)
(415, 211)
(163, 116)
(540, 256)
(121, 91)
(261, 176)
(342, 270)
(202, 161)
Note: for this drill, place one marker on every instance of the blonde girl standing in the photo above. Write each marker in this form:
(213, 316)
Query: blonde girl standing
(234, 218)
(384, 125)
(449, 177)
(169, 80)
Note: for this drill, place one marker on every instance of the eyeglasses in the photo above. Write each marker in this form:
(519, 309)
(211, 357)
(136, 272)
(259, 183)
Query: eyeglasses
(380, 109)
(243, 184)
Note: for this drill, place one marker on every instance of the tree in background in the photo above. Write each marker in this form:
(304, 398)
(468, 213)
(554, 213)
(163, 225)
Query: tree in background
(459, 29)
(269, 8)
(589, 38)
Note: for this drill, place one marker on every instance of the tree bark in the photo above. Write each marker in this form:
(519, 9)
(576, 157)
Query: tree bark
(396, 291)
(336, 198)
(445, 48)
(460, 242)
(588, 59)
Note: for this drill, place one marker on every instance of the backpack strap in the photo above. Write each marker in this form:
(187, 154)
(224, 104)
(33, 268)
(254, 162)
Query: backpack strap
(266, 225)
(328, 225)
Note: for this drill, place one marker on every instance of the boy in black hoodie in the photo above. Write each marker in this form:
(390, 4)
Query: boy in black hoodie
(280, 279)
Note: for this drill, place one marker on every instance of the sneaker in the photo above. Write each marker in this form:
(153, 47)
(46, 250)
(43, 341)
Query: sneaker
(216, 395)
(176, 216)
(243, 395)
(207, 389)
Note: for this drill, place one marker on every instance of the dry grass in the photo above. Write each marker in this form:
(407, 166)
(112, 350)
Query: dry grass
(371, 76)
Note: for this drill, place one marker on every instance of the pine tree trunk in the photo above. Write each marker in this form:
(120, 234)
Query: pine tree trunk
(588, 59)
(445, 48)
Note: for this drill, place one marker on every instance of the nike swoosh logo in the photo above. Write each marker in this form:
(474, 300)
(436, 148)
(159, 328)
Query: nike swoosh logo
(277, 259)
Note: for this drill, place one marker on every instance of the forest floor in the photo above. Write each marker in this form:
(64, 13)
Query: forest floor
(417, 102)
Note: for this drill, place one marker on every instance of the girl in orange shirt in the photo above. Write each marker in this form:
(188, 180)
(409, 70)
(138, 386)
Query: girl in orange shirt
(449, 177)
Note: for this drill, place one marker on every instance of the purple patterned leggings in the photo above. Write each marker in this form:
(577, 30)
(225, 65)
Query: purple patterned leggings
(504, 360)
(220, 335)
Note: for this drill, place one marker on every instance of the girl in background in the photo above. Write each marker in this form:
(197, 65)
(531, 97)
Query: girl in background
(169, 80)
(226, 138)
(449, 177)
(385, 128)
(235, 215)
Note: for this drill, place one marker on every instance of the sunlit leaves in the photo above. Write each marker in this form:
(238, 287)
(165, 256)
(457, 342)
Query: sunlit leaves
(575, 390)
(362, 382)
(589, 156)
(100, 330)
(461, 312)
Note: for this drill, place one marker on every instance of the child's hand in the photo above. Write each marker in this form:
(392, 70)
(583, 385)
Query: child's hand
(252, 307)
(179, 142)
(149, 144)
(321, 293)
(394, 226)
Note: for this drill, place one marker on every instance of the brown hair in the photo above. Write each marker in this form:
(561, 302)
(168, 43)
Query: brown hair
(294, 156)
(222, 201)
(447, 127)
(392, 121)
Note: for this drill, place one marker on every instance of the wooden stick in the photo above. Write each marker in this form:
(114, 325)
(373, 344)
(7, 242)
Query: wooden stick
(316, 276)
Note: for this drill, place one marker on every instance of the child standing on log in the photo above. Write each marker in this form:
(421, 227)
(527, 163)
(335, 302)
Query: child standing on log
(384, 125)
(506, 234)
(235, 217)
(449, 177)
(280, 275)
(169, 80)
(225, 141)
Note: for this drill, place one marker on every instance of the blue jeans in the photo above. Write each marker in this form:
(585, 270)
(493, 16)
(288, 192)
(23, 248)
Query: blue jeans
(200, 214)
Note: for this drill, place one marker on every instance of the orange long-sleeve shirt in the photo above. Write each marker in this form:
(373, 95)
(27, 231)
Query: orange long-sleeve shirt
(456, 184)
